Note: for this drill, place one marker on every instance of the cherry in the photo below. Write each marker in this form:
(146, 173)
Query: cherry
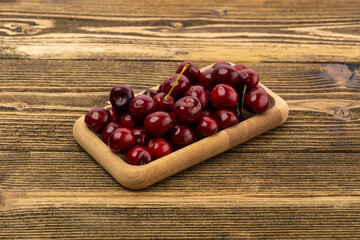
(225, 118)
(206, 79)
(240, 67)
(121, 140)
(159, 147)
(140, 106)
(138, 155)
(180, 87)
(187, 109)
(206, 112)
(200, 92)
(223, 96)
(120, 97)
(249, 77)
(113, 114)
(206, 126)
(108, 130)
(141, 137)
(181, 136)
(225, 74)
(163, 105)
(158, 123)
(128, 121)
(256, 100)
(192, 72)
(97, 119)
(150, 92)
(220, 63)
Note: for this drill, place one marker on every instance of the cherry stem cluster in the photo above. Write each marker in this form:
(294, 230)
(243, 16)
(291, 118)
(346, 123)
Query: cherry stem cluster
(183, 70)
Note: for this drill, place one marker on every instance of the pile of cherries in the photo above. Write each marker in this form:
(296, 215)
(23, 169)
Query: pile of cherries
(188, 106)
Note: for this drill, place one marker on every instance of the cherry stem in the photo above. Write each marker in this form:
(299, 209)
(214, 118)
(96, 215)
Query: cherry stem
(242, 100)
(183, 70)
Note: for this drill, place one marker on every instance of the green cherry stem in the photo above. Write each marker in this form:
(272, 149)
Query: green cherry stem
(242, 100)
(183, 70)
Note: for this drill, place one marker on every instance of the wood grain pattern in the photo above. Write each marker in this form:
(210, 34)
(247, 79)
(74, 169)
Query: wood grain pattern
(299, 181)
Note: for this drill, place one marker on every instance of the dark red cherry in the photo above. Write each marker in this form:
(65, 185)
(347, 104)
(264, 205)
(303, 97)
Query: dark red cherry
(108, 130)
(150, 92)
(121, 140)
(181, 136)
(175, 122)
(128, 121)
(206, 79)
(120, 97)
(200, 93)
(225, 74)
(141, 137)
(248, 77)
(138, 155)
(240, 67)
(206, 126)
(187, 109)
(163, 105)
(159, 147)
(225, 118)
(192, 72)
(206, 112)
(223, 96)
(181, 86)
(220, 63)
(140, 106)
(158, 123)
(113, 114)
(97, 119)
(256, 100)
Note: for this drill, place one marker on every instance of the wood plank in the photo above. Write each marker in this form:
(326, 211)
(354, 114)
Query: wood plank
(270, 32)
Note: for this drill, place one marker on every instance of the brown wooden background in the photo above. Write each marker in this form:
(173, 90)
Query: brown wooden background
(60, 58)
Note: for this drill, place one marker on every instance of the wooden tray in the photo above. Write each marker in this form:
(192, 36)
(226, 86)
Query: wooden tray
(138, 177)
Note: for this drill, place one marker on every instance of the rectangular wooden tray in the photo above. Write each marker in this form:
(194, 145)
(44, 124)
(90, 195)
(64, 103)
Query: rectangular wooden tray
(138, 177)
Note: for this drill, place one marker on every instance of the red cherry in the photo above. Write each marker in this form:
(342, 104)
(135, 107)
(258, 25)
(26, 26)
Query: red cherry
(141, 105)
(113, 114)
(225, 118)
(158, 123)
(240, 67)
(206, 126)
(150, 92)
(206, 79)
(121, 140)
(180, 87)
(97, 119)
(248, 77)
(141, 137)
(225, 74)
(128, 121)
(187, 109)
(181, 136)
(120, 97)
(223, 96)
(159, 147)
(220, 63)
(192, 72)
(163, 105)
(206, 112)
(256, 100)
(200, 92)
(138, 155)
(108, 130)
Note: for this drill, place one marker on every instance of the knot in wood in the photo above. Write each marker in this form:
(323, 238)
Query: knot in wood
(342, 112)
(218, 12)
(176, 24)
(21, 106)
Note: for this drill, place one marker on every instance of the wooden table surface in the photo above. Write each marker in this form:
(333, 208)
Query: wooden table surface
(60, 58)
